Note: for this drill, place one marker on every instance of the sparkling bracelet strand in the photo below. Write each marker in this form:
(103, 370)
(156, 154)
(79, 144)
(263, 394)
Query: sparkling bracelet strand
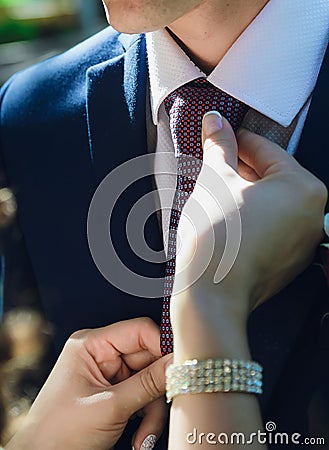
(213, 375)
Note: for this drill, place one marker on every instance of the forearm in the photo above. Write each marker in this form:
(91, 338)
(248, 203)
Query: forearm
(210, 418)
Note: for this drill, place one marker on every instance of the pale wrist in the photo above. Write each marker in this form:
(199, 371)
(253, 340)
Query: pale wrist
(208, 328)
(230, 345)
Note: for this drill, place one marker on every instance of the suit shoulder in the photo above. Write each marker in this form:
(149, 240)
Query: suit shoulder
(61, 73)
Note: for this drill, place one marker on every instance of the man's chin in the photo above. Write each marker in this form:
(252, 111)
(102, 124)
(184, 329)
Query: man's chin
(134, 28)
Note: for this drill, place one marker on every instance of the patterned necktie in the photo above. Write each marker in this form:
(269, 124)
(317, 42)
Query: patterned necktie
(186, 107)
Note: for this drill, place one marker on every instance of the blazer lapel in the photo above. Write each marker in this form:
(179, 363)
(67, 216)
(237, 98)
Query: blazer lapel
(116, 117)
(313, 150)
(116, 108)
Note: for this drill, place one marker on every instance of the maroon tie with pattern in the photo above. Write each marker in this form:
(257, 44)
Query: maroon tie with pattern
(186, 107)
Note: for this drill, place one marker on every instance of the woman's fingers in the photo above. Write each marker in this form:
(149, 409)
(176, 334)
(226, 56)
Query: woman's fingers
(106, 345)
(133, 362)
(246, 172)
(261, 155)
(152, 425)
(142, 388)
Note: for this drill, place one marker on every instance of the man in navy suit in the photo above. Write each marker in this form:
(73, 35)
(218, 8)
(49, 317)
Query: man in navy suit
(68, 122)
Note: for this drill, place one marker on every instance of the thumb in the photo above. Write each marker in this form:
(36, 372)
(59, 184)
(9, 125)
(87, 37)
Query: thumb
(142, 388)
(220, 148)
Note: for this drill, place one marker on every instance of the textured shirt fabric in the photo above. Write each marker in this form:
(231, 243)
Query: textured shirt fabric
(272, 67)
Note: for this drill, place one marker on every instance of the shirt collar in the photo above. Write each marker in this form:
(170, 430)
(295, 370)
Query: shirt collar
(272, 67)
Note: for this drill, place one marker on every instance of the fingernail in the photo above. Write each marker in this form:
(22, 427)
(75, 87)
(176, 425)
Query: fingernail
(149, 442)
(326, 224)
(213, 122)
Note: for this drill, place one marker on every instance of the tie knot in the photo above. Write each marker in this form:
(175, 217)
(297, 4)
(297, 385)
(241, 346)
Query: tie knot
(191, 94)
(186, 107)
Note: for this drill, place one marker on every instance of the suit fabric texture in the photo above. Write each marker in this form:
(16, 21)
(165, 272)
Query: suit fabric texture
(65, 124)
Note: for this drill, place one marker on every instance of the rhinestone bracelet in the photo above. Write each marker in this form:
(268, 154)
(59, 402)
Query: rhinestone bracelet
(213, 375)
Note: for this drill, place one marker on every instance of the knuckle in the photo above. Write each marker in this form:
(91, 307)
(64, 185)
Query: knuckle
(76, 342)
(318, 191)
(150, 384)
(147, 321)
(85, 341)
(80, 334)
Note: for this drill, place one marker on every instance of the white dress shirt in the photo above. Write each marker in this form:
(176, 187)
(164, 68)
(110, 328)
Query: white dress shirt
(272, 67)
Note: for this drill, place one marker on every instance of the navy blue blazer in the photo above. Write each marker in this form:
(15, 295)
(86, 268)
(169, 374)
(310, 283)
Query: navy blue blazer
(65, 124)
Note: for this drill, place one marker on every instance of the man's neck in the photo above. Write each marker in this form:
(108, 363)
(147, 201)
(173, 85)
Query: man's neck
(208, 31)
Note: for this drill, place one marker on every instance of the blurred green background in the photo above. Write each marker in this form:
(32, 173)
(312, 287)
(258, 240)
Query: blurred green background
(32, 30)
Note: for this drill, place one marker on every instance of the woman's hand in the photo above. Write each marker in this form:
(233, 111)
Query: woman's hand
(248, 189)
(93, 390)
